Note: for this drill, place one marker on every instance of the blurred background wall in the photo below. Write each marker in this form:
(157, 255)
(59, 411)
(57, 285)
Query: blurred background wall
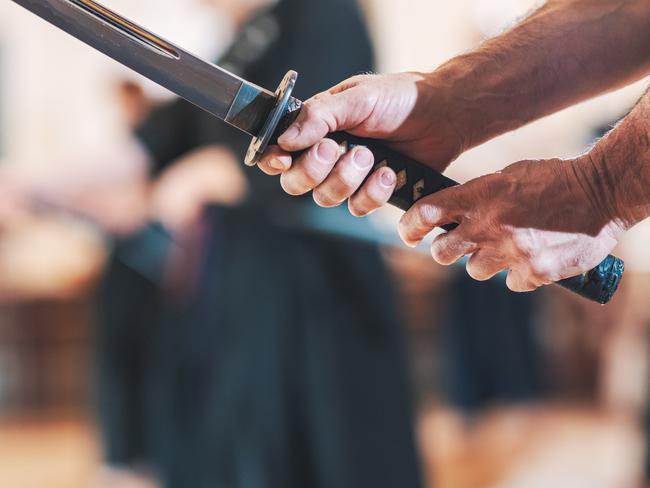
(60, 121)
(47, 102)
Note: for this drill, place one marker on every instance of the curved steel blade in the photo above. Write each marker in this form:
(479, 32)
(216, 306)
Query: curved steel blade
(223, 94)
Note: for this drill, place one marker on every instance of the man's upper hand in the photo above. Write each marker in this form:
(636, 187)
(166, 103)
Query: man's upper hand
(398, 109)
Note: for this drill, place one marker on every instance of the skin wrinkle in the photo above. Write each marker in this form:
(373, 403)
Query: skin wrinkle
(502, 54)
(371, 197)
(587, 184)
(621, 162)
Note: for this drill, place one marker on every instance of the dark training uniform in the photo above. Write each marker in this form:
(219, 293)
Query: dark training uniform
(490, 358)
(285, 369)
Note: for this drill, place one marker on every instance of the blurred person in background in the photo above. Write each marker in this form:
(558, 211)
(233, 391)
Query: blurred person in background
(489, 359)
(238, 347)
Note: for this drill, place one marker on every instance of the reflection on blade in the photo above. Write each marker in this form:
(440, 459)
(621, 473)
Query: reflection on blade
(211, 88)
(126, 26)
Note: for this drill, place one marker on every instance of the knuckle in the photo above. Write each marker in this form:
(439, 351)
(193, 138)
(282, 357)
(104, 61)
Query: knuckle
(311, 174)
(266, 169)
(342, 185)
(365, 100)
(424, 215)
(513, 283)
(441, 252)
(521, 281)
(317, 97)
(325, 199)
(576, 261)
(346, 181)
(416, 222)
(291, 186)
(579, 262)
(314, 109)
(290, 189)
(310, 105)
(541, 268)
(374, 197)
(522, 243)
(476, 270)
(367, 200)
(358, 79)
(357, 208)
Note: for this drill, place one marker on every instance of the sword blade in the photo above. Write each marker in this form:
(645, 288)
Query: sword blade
(223, 94)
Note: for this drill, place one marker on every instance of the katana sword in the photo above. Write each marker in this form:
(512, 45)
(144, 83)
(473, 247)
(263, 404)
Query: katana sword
(260, 113)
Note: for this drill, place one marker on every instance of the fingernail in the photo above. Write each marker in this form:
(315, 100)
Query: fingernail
(388, 179)
(362, 159)
(276, 163)
(290, 134)
(327, 152)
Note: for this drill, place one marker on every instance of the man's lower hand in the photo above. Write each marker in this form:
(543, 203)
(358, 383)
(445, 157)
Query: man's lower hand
(536, 219)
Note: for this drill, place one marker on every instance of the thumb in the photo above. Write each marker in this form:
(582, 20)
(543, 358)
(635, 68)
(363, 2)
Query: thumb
(326, 113)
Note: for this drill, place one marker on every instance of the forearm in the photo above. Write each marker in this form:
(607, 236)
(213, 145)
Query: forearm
(616, 172)
(566, 52)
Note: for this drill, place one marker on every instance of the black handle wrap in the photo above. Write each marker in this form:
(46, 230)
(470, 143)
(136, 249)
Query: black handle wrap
(416, 180)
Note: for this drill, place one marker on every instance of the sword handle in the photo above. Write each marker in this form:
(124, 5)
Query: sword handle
(416, 180)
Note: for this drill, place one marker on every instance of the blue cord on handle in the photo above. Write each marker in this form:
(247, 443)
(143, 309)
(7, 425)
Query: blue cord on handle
(599, 284)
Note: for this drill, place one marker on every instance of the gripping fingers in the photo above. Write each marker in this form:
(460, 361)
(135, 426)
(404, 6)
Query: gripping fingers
(485, 264)
(275, 161)
(444, 207)
(374, 194)
(311, 169)
(521, 281)
(319, 116)
(346, 177)
(328, 112)
(450, 247)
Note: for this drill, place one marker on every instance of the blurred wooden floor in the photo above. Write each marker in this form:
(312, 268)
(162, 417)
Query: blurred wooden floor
(47, 454)
(537, 447)
(521, 448)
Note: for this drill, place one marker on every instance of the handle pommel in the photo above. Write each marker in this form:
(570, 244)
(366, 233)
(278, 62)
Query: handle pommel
(599, 284)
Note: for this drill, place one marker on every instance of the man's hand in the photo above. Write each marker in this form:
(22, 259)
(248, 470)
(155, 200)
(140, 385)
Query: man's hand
(544, 220)
(395, 108)
(535, 219)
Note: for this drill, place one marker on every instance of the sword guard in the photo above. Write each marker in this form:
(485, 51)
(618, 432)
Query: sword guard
(284, 105)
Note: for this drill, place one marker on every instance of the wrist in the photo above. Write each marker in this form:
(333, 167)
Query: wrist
(618, 168)
(614, 188)
(448, 104)
(433, 131)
